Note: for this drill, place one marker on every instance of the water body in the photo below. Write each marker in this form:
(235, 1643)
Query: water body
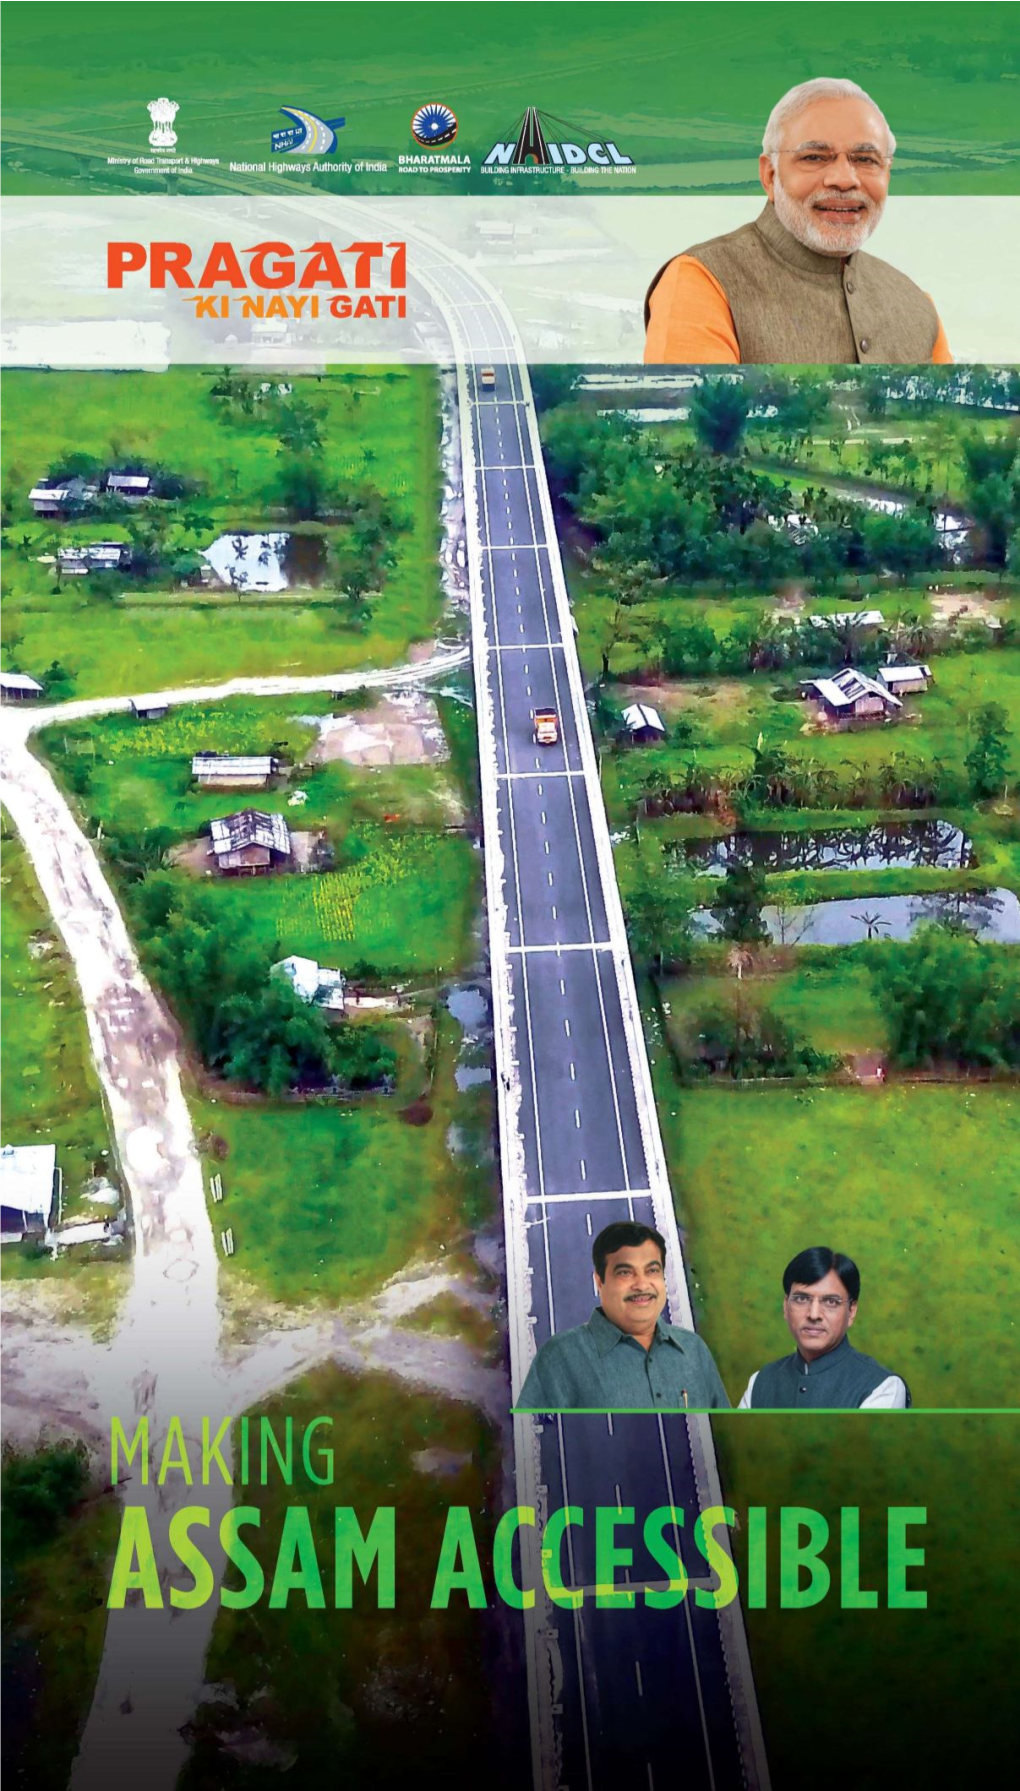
(267, 562)
(990, 914)
(883, 846)
(474, 1068)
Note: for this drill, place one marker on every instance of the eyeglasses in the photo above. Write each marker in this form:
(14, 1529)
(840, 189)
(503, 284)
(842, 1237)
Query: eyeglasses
(831, 1302)
(816, 161)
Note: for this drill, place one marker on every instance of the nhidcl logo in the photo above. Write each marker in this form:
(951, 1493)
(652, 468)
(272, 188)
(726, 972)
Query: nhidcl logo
(433, 125)
(533, 151)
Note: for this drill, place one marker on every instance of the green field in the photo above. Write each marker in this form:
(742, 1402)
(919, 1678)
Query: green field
(379, 429)
(403, 893)
(51, 1091)
(829, 1002)
(947, 88)
(347, 1694)
(916, 1182)
(54, 1622)
(327, 1201)
(927, 1688)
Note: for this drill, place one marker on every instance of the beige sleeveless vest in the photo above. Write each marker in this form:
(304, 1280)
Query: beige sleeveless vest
(790, 304)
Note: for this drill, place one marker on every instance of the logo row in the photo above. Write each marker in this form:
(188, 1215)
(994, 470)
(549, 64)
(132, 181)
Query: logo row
(532, 147)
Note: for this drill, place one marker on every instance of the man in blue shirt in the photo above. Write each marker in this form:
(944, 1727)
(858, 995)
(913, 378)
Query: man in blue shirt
(625, 1358)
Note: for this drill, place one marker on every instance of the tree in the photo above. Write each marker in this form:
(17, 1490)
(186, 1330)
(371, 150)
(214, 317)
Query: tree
(946, 996)
(988, 757)
(39, 1491)
(303, 487)
(659, 921)
(272, 1040)
(719, 411)
(738, 906)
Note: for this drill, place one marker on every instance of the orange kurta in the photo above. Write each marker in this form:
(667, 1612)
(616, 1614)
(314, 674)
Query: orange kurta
(692, 325)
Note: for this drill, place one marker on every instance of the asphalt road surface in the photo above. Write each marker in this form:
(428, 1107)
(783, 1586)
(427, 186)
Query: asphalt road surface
(659, 1697)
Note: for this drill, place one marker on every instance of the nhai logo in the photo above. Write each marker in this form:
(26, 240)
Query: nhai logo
(308, 135)
(533, 151)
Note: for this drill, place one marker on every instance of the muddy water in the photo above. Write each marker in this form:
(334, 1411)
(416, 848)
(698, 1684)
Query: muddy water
(884, 846)
(991, 914)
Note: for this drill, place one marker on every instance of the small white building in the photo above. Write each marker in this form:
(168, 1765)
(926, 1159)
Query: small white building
(643, 724)
(905, 680)
(94, 556)
(314, 983)
(227, 771)
(17, 687)
(29, 1183)
(62, 497)
(849, 618)
(131, 488)
(150, 708)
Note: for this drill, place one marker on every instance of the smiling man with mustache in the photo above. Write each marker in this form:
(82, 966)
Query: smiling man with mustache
(626, 1357)
(821, 1289)
(794, 286)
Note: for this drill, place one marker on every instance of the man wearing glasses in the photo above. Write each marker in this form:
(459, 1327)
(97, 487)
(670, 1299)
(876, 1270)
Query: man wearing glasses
(821, 1289)
(793, 286)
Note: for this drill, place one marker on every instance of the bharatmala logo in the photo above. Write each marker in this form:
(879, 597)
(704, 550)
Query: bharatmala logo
(534, 151)
(163, 112)
(272, 279)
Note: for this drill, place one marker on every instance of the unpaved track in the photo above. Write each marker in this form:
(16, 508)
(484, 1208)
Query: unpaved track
(165, 1360)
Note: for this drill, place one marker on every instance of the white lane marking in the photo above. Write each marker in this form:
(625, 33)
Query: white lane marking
(640, 1687)
(591, 1194)
(554, 911)
(561, 945)
(587, 1220)
(584, 1171)
(546, 848)
(550, 877)
(573, 1073)
(577, 1119)
(566, 1027)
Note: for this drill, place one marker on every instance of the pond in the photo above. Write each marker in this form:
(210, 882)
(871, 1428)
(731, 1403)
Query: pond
(267, 562)
(884, 846)
(992, 914)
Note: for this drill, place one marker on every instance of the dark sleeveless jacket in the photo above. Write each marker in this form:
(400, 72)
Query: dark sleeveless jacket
(790, 304)
(843, 1378)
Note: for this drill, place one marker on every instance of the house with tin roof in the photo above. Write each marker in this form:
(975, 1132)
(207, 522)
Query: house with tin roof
(250, 843)
(229, 771)
(30, 1183)
(851, 696)
(905, 680)
(314, 983)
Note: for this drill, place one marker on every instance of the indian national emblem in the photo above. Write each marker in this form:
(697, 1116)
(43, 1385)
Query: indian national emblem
(163, 112)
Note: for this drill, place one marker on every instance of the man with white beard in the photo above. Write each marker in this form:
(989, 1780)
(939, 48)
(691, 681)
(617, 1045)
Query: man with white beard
(794, 285)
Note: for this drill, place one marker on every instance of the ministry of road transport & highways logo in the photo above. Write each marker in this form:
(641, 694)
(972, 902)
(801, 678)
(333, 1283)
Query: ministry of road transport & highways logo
(534, 151)
(308, 135)
(162, 112)
(433, 125)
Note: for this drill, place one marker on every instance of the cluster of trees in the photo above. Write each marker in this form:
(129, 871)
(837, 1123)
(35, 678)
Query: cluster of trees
(744, 1039)
(688, 647)
(39, 1492)
(682, 515)
(246, 1024)
(775, 780)
(949, 998)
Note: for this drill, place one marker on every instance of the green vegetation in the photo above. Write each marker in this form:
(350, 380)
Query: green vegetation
(828, 998)
(916, 1680)
(400, 899)
(58, 1545)
(327, 1201)
(51, 1091)
(221, 445)
(917, 1183)
(950, 1000)
(348, 1695)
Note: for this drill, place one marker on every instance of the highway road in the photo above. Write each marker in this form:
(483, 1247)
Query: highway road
(659, 1697)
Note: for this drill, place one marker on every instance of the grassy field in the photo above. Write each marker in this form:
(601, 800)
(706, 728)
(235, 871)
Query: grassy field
(927, 1688)
(354, 1696)
(379, 428)
(829, 1002)
(51, 1091)
(54, 1622)
(916, 1182)
(404, 892)
(327, 1201)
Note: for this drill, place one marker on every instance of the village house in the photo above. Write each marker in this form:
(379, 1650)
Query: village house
(866, 620)
(250, 842)
(225, 771)
(314, 983)
(905, 680)
(62, 497)
(17, 687)
(30, 1182)
(131, 488)
(850, 696)
(643, 725)
(94, 556)
(150, 708)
